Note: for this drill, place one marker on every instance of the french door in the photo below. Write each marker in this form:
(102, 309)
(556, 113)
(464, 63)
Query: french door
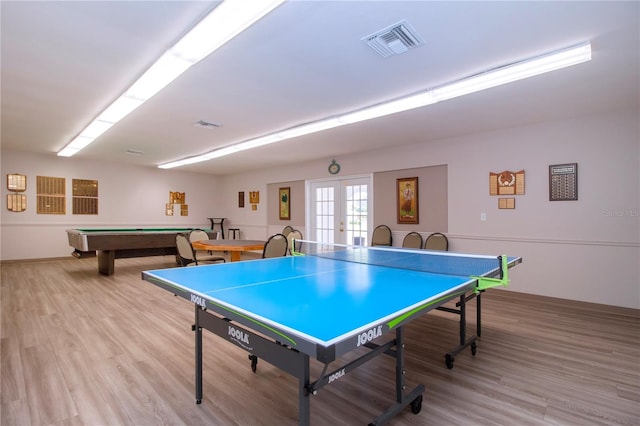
(339, 210)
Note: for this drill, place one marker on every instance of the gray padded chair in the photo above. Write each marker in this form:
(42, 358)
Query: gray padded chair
(412, 240)
(381, 236)
(276, 246)
(198, 235)
(436, 241)
(187, 255)
(203, 255)
(297, 236)
(287, 230)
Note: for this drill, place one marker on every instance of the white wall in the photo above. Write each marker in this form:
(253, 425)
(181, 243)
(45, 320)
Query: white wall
(128, 197)
(586, 250)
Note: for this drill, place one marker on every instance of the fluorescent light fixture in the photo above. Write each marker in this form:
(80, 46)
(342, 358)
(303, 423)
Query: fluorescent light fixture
(158, 76)
(227, 150)
(305, 129)
(226, 21)
(119, 109)
(76, 145)
(498, 76)
(513, 72)
(88, 135)
(388, 108)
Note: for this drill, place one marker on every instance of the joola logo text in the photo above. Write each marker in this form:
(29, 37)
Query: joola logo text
(239, 335)
(369, 335)
(336, 375)
(198, 300)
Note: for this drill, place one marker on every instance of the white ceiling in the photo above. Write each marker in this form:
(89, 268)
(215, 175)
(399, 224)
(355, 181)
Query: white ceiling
(63, 62)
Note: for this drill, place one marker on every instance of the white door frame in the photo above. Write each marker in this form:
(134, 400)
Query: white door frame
(310, 207)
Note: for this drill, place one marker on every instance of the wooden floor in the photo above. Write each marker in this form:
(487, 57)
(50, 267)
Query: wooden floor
(78, 348)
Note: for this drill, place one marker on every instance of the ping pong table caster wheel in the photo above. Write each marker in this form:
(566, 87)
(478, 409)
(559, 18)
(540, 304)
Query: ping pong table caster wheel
(416, 405)
(474, 349)
(448, 360)
(254, 362)
(198, 401)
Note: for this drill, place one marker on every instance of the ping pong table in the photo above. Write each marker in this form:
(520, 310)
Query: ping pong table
(327, 303)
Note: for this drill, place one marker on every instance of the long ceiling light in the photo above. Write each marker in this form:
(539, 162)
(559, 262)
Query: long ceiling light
(495, 77)
(226, 21)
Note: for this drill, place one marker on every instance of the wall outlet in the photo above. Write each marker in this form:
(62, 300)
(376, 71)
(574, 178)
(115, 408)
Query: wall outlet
(483, 217)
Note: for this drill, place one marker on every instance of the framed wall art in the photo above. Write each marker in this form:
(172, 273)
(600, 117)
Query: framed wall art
(284, 195)
(563, 182)
(506, 183)
(254, 197)
(407, 199)
(16, 182)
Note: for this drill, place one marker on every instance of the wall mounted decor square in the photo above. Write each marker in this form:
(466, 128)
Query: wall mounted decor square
(84, 196)
(50, 195)
(254, 199)
(563, 182)
(506, 183)
(16, 183)
(179, 198)
(407, 200)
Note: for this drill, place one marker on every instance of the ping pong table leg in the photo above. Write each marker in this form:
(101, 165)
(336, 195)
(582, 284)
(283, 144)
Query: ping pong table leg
(198, 331)
(463, 319)
(413, 398)
(478, 316)
(399, 364)
(304, 397)
(464, 342)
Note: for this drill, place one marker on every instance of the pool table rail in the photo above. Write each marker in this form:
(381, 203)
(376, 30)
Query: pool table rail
(111, 244)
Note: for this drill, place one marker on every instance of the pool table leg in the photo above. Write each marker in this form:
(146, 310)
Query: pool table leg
(106, 261)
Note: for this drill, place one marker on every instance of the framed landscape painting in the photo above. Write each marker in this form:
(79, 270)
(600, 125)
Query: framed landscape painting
(285, 203)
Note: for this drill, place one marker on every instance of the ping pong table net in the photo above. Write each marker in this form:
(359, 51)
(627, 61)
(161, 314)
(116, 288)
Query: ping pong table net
(490, 271)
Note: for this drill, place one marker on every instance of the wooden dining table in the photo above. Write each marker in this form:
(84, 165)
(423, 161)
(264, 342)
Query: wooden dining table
(234, 247)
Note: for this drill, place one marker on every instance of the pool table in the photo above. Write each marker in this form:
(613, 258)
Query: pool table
(120, 243)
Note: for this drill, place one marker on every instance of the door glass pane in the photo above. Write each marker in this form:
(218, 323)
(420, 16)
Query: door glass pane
(324, 218)
(356, 198)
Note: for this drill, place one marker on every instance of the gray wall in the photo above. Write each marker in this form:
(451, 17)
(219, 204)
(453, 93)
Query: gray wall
(432, 199)
(297, 202)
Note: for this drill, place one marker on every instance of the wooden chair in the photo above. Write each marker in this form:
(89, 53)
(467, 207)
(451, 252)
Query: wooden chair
(276, 246)
(436, 241)
(381, 236)
(412, 240)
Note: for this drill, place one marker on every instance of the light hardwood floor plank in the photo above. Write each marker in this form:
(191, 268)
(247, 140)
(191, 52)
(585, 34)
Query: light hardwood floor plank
(79, 348)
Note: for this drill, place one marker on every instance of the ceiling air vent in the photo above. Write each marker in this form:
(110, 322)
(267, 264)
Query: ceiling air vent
(394, 40)
(206, 125)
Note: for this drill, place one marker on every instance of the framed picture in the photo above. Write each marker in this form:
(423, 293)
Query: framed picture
(563, 182)
(284, 195)
(241, 199)
(16, 182)
(407, 199)
(254, 197)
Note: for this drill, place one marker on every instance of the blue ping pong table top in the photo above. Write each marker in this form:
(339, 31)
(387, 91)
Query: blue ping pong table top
(321, 300)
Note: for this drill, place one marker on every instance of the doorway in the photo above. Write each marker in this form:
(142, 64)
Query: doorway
(340, 210)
